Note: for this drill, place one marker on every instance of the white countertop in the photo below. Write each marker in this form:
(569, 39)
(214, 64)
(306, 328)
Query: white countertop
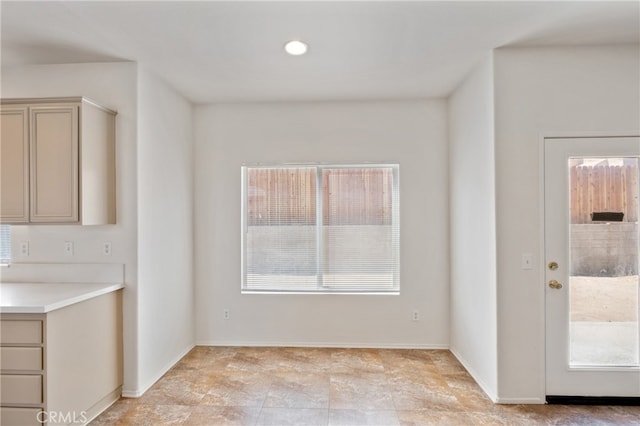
(39, 298)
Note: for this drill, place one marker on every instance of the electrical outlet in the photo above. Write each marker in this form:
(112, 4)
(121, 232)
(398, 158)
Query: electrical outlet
(416, 315)
(225, 314)
(68, 248)
(106, 248)
(24, 248)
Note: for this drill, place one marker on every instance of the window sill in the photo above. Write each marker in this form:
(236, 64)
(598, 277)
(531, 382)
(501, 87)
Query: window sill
(325, 293)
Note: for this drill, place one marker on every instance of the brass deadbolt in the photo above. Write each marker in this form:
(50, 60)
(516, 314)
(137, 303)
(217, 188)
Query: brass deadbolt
(555, 285)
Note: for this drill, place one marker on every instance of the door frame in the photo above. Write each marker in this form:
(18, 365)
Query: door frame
(542, 228)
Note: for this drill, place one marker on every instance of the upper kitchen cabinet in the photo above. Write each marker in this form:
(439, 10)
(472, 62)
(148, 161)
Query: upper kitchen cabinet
(58, 162)
(14, 164)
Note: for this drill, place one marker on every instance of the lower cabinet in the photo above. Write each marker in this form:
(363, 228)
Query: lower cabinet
(62, 367)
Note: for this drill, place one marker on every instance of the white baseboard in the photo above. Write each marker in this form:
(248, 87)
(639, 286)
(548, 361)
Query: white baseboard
(131, 394)
(321, 345)
(521, 401)
(489, 392)
(495, 398)
(102, 405)
(139, 392)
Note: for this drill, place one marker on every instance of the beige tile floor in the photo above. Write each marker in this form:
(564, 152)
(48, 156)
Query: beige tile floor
(313, 386)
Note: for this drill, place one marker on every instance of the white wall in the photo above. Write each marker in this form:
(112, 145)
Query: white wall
(413, 133)
(165, 228)
(537, 90)
(544, 91)
(114, 86)
(473, 226)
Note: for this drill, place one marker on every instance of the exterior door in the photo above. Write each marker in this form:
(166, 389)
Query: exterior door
(591, 264)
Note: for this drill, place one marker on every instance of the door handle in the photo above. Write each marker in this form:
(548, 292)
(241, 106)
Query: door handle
(555, 285)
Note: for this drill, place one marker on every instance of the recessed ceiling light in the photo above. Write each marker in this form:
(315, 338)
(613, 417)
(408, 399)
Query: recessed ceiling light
(296, 47)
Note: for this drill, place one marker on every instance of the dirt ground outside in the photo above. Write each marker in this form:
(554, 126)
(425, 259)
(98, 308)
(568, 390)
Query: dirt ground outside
(613, 299)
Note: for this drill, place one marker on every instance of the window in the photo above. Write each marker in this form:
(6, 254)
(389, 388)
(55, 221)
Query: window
(328, 228)
(5, 244)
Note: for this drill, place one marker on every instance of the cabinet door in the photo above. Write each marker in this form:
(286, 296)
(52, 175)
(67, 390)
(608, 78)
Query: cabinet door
(54, 163)
(14, 165)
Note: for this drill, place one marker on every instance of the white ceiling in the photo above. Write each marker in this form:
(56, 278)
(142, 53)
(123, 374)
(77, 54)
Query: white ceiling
(232, 51)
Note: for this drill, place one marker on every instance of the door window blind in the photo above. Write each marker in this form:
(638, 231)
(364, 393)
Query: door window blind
(329, 228)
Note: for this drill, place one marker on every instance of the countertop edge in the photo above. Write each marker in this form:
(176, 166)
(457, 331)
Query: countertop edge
(43, 309)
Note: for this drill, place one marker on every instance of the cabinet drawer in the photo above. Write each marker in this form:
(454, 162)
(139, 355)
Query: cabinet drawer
(21, 389)
(20, 358)
(20, 331)
(20, 416)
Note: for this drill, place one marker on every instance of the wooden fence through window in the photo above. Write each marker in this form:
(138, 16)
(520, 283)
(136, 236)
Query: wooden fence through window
(351, 196)
(363, 196)
(604, 188)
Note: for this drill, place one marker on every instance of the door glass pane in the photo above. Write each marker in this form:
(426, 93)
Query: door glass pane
(603, 282)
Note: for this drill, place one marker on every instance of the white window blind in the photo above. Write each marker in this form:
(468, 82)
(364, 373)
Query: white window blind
(5, 244)
(329, 228)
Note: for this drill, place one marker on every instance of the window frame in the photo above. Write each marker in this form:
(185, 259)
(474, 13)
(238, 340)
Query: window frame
(319, 167)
